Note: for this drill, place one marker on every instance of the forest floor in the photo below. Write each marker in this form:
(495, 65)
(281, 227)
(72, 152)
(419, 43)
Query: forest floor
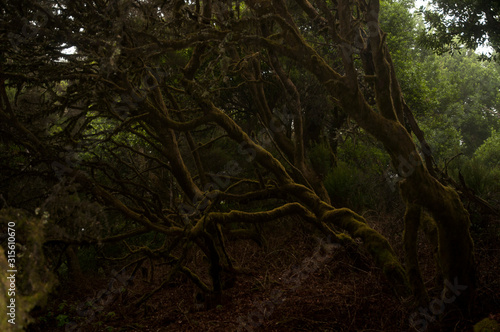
(296, 282)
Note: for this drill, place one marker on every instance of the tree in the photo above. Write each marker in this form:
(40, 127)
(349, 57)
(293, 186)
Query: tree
(456, 23)
(467, 99)
(153, 86)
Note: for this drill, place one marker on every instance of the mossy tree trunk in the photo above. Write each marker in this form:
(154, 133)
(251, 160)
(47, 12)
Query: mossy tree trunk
(385, 122)
(74, 269)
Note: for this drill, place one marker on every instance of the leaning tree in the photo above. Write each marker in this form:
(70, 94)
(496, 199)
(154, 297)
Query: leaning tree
(126, 100)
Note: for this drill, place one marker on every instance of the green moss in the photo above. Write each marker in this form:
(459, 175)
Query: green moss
(487, 325)
(429, 227)
(455, 246)
(412, 223)
(375, 243)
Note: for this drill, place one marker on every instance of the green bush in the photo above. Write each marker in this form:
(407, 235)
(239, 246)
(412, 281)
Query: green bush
(489, 152)
(341, 181)
(350, 186)
(320, 157)
(481, 178)
(482, 172)
(62, 320)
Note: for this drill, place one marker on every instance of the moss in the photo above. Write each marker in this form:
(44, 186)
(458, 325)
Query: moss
(375, 243)
(455, 245)
(412, 223)
(487, 325)
(429, 227)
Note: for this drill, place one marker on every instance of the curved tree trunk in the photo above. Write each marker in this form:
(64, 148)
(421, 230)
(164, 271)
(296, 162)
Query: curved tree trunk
(384, 122)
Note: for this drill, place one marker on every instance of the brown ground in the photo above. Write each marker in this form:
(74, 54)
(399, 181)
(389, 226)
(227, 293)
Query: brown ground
(290, 285)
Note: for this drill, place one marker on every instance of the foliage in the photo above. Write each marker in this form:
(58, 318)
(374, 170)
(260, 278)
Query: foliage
(489, 152)
(445, 139)
(480, 178)
(456, 23)
(342, 181)
(469, 97)
(62, 320)
(320, 156)
(402, 28)
(482, 172)
(455, 97)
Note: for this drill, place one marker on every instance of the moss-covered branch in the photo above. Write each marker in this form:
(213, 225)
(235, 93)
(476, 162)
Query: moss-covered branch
(261, 217)
(376, 244)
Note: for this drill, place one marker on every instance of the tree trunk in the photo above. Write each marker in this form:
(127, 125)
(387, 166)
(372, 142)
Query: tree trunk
(384, 122)
(74, 269)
